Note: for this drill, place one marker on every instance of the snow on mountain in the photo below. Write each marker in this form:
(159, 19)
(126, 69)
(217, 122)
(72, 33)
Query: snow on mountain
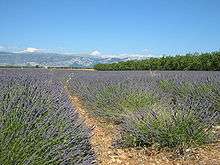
(33, 57)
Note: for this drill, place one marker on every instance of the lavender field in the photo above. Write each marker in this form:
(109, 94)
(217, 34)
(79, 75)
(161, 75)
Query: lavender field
(165, 109)
(38, 124)
(171, 109)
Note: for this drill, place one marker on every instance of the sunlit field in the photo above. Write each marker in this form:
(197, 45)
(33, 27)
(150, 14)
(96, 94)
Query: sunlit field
(174, 111)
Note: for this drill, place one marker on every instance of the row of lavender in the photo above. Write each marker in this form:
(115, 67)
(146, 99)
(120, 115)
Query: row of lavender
(165, 109)
(38, 124)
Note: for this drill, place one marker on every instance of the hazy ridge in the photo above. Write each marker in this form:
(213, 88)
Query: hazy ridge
(55, 59)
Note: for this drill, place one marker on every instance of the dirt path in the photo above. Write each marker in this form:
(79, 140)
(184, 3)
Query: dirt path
(104, 133)
(102, 138)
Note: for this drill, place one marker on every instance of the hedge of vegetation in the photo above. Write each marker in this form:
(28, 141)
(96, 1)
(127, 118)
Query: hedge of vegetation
(204, 61)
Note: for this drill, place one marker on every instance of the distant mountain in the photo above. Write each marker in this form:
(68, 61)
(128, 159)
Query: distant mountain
(54, 59)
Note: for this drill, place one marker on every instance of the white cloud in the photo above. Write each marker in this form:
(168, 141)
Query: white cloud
(1, 47)
(131, 55)
(31, 50)
(145, 50)
(95, 53)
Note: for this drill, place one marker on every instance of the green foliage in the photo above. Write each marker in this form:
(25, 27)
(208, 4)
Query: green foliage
(115, 102)
(204, 61)
(136, 101)
(166, 85)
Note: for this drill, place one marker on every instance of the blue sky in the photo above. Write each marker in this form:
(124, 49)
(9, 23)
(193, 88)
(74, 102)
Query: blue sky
(111, 26)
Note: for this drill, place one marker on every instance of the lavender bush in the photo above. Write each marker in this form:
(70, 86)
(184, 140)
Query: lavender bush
(38, 125)
(167, 126)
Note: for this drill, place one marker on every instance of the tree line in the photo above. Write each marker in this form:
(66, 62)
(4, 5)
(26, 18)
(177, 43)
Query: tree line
(195, 61)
